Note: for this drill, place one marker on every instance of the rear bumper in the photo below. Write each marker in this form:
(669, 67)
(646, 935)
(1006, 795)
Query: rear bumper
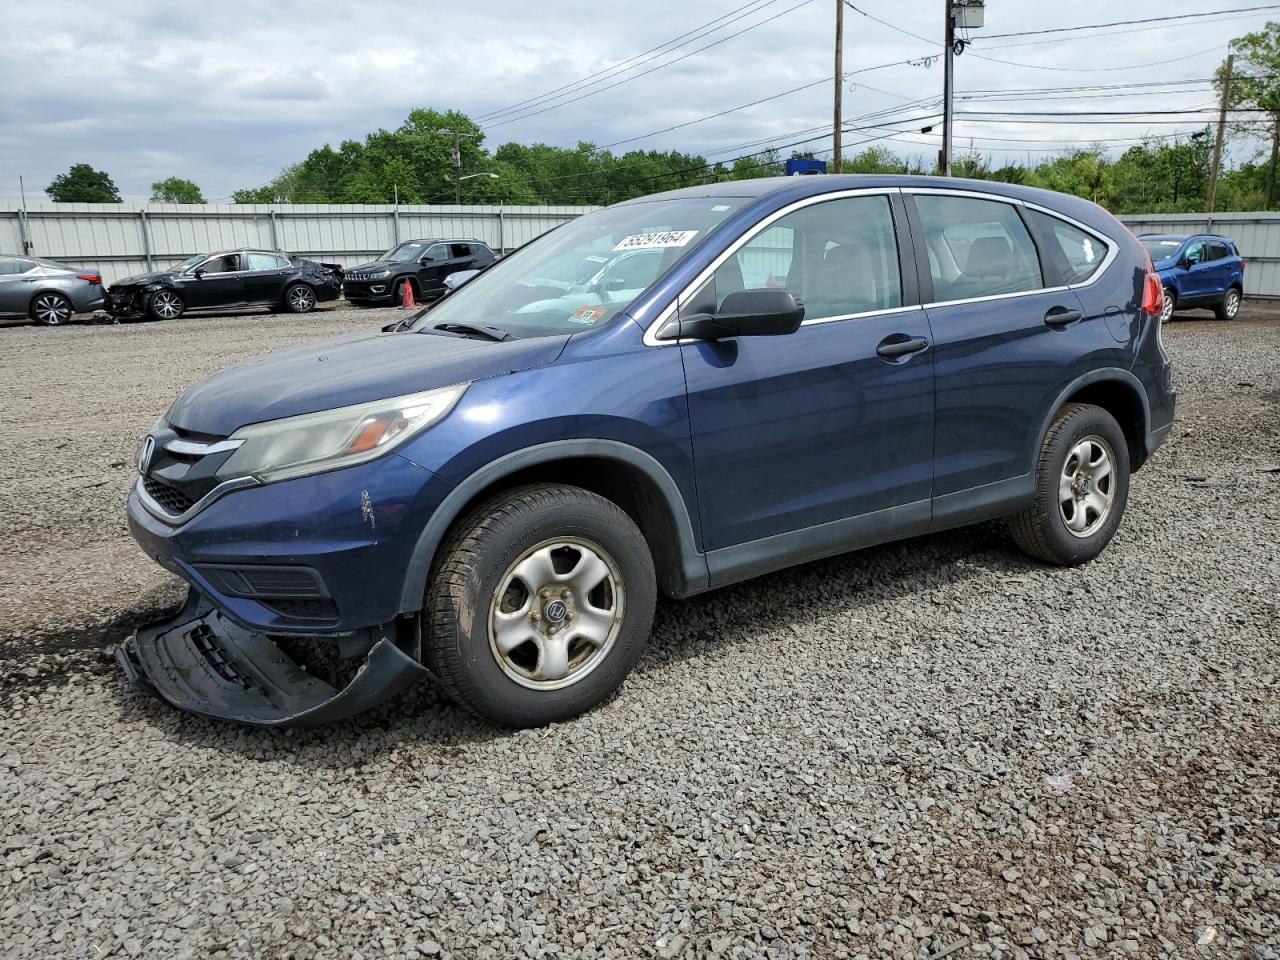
(201, 662)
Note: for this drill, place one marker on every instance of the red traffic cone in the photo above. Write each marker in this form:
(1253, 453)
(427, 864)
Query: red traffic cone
(406, 297)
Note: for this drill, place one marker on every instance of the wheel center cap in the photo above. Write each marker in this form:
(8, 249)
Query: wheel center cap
(555, 611)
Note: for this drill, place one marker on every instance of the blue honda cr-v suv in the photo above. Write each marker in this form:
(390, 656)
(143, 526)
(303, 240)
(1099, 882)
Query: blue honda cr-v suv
(671, 394)
(1200, 271)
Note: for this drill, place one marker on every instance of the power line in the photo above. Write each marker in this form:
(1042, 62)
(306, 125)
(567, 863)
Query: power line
(733, 15)
(1132, 66)
(1129, 23)
(645, 73)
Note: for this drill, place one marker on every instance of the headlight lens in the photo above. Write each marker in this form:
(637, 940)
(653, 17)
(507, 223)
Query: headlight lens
(316, 442)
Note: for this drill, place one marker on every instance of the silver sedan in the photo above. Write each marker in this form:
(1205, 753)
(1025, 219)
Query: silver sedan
(49, 293)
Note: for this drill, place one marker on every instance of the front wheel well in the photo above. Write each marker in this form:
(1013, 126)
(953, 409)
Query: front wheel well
(630, 488)
(1122, 402)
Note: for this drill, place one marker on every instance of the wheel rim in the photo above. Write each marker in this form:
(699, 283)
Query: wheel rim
(1166, 311)
(167, 305)
(556, 614)
(300, 299)
(52, 310)
(1086, 486)
(1233, 304)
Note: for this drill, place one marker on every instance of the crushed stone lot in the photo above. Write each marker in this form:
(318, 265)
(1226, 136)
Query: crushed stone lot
(933, 748)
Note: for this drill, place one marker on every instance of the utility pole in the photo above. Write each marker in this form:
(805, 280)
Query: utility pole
(948, 67)
(837, 160)
(1217, 144)
(457, 168)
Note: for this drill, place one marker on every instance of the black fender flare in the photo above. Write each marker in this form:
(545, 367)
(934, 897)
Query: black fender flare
(693, 563)
(1101, 375)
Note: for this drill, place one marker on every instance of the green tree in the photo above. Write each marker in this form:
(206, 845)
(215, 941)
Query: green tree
(175, 190)
(83, 184)
(1255, 86)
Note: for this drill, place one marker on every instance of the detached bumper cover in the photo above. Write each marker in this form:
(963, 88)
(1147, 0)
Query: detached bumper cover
(201, 662)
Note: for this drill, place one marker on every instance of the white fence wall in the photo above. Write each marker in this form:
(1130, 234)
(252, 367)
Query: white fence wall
(1257, 237)
(119, 239)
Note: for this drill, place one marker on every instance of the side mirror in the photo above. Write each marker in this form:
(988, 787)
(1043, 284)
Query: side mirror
(747, 313)
(198, 272)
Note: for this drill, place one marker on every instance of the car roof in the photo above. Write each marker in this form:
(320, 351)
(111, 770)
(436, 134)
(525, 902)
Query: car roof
(446, 240)
(1180, 237)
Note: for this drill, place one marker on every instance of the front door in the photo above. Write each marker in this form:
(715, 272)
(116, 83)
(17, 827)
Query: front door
(220, 283)
(434, 267)
(829, 423)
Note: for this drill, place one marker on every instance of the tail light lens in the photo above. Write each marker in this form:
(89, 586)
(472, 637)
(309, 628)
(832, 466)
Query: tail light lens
(1152, 291)
(94, 278)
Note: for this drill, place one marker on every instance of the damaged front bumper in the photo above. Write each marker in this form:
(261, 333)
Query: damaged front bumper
(200, 661)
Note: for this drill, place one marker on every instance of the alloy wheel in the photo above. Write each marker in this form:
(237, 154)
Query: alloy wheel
(301, 299)
(166, 305)
(1166, 311)
(51, 309)
(1232, 306)
(556, 613)
(1086, 486)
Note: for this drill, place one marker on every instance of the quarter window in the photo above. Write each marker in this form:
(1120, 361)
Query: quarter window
(1077, 255)
(977, 248)
(838, 257)
(8, 265)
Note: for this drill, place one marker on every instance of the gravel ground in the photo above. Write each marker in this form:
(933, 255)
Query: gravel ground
(934, 748)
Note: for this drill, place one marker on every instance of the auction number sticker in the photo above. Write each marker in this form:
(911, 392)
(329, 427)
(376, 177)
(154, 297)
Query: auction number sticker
(588, 315)
(653, 241)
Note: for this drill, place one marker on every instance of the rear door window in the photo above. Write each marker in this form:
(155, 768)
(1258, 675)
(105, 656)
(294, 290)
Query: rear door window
(459, 251)
(265, 261)
(1217, 250)
(977, 248)
(1075, 254)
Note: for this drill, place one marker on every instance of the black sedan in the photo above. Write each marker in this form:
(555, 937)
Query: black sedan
(227, 279)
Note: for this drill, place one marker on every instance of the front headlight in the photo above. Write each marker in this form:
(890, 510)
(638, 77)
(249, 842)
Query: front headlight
(316, 442)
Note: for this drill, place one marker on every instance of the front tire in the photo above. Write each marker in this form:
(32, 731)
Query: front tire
(539, 605)
(299, 298)
(51, 310)
(1229, 306)
(165, 305)
(1082, 486)
(1170, 302)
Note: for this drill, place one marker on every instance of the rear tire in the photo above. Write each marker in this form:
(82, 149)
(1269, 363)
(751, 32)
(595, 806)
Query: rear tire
(165, 305)
(299, 298)
(1082, 486)
(51, 309)
(539, 605)
(1229, 305)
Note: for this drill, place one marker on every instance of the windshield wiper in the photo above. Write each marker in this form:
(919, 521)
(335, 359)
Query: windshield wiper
(476, 330)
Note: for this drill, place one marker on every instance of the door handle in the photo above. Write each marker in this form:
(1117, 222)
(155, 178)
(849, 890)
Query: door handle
(1061, 316)
(896, 348)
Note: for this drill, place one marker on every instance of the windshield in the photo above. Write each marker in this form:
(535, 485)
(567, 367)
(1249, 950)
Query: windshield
(190, 262)
(1161, 248)
(579, 276)
(404, 252)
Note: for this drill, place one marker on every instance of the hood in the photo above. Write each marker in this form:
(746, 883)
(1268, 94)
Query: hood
(348, 370)
(380, 265)
(143, 278)
(1168, 263)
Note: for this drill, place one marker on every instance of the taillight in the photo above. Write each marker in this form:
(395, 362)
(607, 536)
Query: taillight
(94, 278)
(1152, 291)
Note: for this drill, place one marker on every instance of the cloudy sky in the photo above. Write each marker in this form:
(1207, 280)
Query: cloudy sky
(227, 94)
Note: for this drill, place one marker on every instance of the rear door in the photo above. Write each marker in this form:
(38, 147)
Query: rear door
(792, 432)
(1219, 267)
(265, 275)
(1008, 335)
(220, 284)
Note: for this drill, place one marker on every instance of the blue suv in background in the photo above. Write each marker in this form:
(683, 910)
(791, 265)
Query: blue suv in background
(1204, 271)
(668, 395)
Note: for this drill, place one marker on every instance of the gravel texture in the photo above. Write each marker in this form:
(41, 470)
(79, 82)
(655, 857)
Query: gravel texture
(933, 748)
